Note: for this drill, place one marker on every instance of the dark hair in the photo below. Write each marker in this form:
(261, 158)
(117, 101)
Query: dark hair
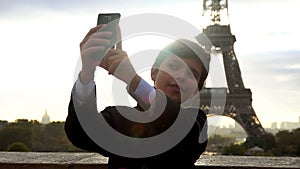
(183, 48)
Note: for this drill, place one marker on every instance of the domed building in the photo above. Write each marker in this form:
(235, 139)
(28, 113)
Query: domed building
(46, 118)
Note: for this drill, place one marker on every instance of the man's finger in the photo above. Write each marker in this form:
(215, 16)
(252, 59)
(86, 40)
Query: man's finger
(119, 38)
(92, 31)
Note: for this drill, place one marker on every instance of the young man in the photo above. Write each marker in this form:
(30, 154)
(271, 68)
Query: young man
(178, 73)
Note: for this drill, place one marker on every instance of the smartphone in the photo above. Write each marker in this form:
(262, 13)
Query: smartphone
(112, 20)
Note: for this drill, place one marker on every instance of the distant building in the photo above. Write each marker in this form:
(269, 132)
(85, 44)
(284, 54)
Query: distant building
(274, 125)
(289, 125)
(46, 118)
(255, 150)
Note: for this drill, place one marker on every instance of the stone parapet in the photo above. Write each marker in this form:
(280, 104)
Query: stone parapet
(59, 160)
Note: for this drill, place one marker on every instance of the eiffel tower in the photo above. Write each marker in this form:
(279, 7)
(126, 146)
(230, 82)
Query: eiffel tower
(238, 105)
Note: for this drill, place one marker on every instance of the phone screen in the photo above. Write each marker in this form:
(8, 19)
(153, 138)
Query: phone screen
(112, 20)
(105, 18)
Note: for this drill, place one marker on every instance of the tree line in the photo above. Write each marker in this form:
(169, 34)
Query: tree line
(24, 135)
(283, 143)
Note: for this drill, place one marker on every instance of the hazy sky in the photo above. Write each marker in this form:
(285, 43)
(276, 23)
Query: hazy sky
(40, 48)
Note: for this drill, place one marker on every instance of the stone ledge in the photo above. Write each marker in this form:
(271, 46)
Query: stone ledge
(58, 160)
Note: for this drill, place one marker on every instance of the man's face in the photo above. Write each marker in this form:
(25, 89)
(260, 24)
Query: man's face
(178, 78)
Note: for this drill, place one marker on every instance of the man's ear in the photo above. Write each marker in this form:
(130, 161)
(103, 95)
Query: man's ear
(153, 74)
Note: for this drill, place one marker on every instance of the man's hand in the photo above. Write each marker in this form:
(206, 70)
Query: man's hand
(92, 46)
(117, 63)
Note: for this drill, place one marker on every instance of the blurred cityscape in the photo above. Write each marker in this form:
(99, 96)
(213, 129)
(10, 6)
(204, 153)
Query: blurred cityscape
(238, 132)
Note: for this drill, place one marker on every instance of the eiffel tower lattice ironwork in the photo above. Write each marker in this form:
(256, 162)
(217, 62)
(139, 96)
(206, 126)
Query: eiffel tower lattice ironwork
(238, 105)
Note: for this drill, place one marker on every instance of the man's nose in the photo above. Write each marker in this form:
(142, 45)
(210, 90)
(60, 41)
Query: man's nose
(180, 76)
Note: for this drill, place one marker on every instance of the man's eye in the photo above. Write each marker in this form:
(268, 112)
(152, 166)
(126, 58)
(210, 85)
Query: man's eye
(190, 74)
(173, 66)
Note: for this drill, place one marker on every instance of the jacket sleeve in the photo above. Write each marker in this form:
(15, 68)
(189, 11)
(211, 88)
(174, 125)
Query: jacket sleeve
(73, 128)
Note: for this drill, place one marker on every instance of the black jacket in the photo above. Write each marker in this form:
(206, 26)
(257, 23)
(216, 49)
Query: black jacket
(183, 155)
